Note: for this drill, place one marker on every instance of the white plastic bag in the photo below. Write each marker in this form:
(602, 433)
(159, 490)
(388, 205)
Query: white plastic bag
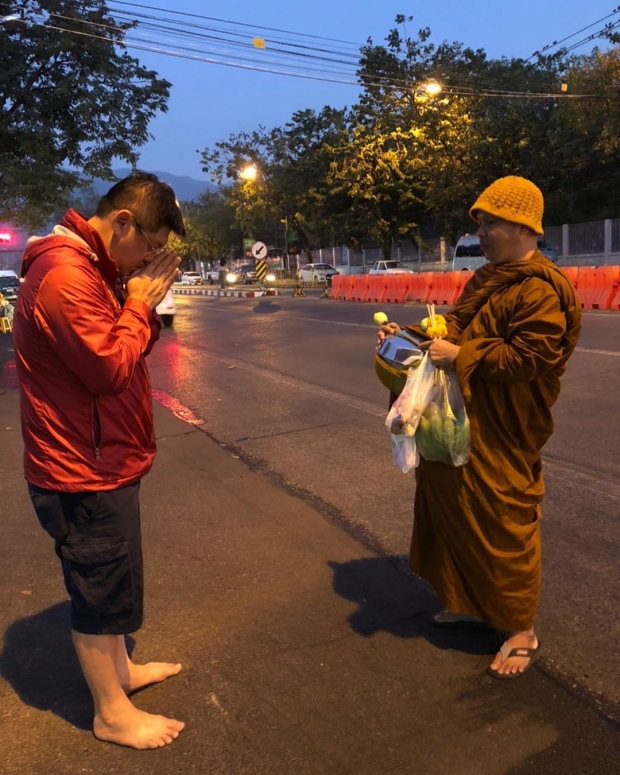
(404, 416)
(404, 452)
(411, 403)
(428, 419)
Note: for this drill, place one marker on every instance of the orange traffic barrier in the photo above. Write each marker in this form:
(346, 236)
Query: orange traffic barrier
(460, 283)
(421, 288)
(376, 288)
(572, 272)
(442, 288)
(598, 286)
(339, 283)
(586, 287)
(349, 286)
(360, 287)
(417, 286)
(615, 302)
(397, 288)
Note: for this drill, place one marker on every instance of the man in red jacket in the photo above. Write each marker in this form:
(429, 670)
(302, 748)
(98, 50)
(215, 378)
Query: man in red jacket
(83, 324)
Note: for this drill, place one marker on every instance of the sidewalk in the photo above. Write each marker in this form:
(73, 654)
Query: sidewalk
(302, 651)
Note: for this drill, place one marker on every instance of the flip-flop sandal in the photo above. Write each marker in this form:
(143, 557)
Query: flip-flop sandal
(463, 621)
(507, 652)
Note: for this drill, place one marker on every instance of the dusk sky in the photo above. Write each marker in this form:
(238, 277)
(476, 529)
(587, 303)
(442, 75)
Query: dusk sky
(209, 101)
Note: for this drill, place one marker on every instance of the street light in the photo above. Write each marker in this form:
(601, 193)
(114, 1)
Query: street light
(433, 88)
(249, 173)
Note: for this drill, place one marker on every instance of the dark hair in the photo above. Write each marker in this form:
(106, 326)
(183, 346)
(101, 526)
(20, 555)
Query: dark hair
(150, 200)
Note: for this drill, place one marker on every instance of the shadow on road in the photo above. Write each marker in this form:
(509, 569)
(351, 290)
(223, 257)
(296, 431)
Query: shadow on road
(393, 601)
(38, 660)
(266, 307)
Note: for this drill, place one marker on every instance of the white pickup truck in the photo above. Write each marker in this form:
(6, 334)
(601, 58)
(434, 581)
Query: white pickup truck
(389, 267)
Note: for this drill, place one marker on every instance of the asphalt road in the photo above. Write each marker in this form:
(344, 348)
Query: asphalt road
(288, 385)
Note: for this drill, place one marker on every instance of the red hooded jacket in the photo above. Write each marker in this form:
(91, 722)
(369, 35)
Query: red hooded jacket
(86, 411)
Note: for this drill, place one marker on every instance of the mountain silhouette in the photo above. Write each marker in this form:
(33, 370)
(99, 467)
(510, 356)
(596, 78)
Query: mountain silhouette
(185, 188)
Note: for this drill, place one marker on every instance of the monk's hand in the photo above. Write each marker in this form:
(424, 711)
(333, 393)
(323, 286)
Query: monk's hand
(387, 329)
(441, 352)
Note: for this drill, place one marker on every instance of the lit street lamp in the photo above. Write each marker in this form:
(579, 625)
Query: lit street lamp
(433, 88)
(249, 173)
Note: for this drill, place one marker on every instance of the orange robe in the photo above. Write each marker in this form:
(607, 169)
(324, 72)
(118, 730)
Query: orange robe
(476, 534)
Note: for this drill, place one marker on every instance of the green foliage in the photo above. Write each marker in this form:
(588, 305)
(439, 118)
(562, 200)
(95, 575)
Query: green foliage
(211, 229)
(68, 101)
(292, 164)
(401, 161)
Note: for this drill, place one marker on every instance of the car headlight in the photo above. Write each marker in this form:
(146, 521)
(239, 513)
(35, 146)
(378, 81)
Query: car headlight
(231, 278)
(270, 278)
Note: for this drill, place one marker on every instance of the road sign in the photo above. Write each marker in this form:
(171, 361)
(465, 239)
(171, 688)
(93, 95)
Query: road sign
(247, 244)
(261, 269)
(259, 250)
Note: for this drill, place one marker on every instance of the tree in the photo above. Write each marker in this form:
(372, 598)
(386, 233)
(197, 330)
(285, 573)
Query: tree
(403, 161)
(591, 167)
(211, 229)
(71, 101)
(379, 172)
(290, 183)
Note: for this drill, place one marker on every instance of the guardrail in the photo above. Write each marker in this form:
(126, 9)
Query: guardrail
(597, 287)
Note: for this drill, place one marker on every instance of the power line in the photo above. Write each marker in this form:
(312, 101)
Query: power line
(283, 54)
(245, 36)
(239, 24)
(344, 77)
(574, 34)
(601, 33)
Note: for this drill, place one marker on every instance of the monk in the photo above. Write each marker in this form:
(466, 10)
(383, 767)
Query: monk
(476, 534)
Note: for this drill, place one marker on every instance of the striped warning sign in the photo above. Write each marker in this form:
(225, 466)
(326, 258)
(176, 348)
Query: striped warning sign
(261, 270)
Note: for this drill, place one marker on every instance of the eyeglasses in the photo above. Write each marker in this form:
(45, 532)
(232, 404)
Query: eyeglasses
(143, 233)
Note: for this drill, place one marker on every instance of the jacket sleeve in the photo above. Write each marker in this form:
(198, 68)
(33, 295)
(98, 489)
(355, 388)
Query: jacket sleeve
(531, 346)
(155, 330)
(73, 310)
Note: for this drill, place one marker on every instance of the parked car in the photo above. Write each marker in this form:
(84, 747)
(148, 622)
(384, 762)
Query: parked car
(9, 285)
(317, 273)
(547, 250)
(213, 275)
(166, 309)
(191, 278)
(389, 267)
(468, 254)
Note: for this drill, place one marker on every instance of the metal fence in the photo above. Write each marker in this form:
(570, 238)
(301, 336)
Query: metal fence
(586, 238)
(553, 235)
(577, 244)
(615, 236)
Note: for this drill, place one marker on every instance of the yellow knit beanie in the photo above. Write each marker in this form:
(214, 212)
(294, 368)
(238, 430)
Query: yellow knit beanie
(514, 199)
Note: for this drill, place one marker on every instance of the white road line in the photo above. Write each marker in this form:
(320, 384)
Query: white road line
(585, 479)
(597, 352)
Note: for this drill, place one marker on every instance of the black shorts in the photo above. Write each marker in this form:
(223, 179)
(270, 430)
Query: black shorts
(98, 541)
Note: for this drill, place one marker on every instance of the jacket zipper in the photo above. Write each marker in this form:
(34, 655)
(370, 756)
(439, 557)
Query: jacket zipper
(97, 429)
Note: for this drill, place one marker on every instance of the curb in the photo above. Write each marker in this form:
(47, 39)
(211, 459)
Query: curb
(236, 294)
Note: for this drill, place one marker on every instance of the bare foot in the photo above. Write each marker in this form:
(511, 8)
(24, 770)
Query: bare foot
(515, 664)
(139, 676)
(137, 729)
